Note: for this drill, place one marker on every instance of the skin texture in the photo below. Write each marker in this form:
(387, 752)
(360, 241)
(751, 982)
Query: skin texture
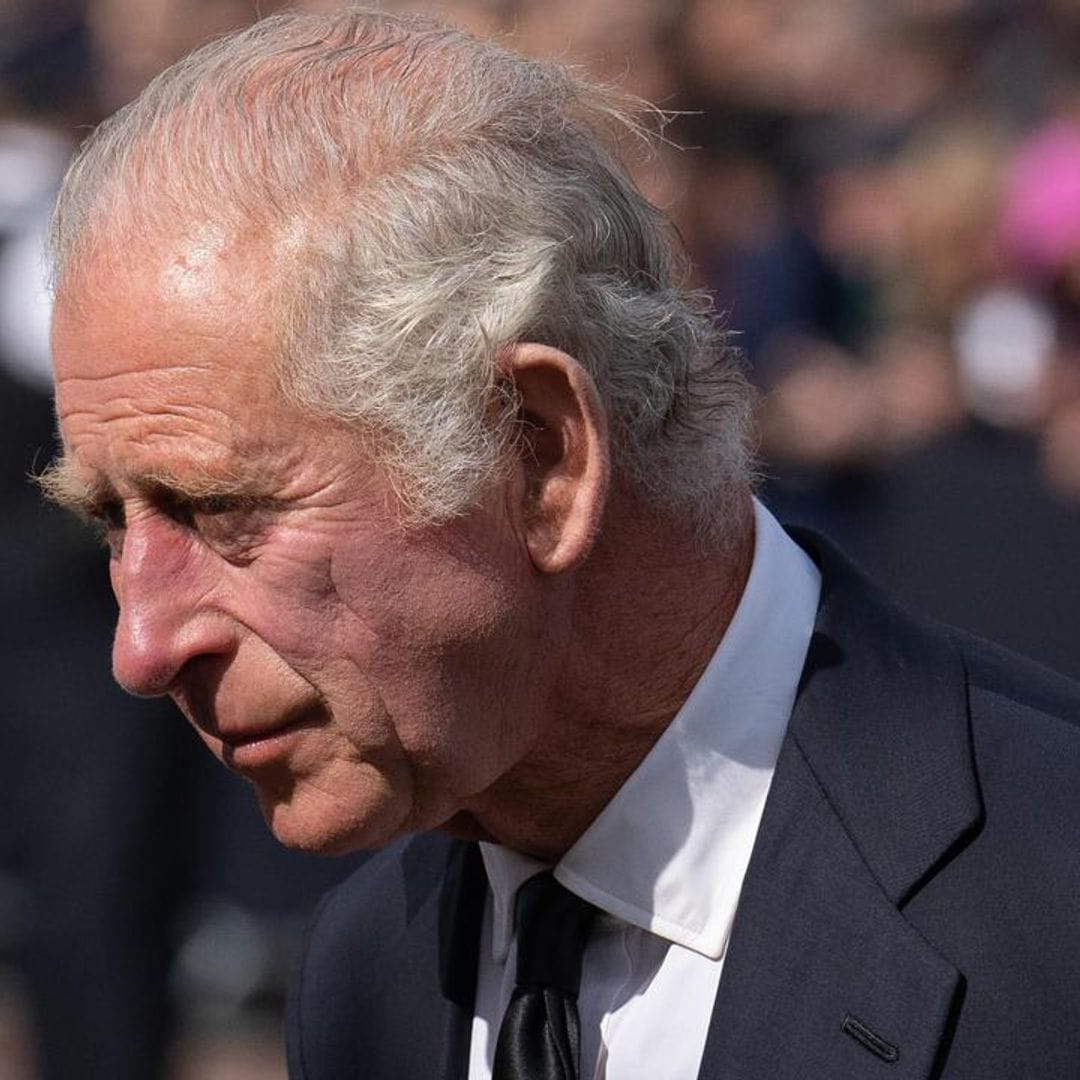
(498, 676)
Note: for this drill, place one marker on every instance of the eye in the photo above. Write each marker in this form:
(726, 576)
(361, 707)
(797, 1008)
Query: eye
(108, 520)
(232, 525)
(198, 512)
(112, 514)
(221, 513)
(215, 505)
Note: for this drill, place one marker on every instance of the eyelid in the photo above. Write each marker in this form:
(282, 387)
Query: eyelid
(222, 504)
(184, 508)
(106, 512)
(107, 521)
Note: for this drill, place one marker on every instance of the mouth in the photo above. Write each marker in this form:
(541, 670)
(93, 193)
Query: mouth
(255, 748)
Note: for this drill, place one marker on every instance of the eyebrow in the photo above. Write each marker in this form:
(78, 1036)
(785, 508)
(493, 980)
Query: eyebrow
(86, 493)
(67, 485)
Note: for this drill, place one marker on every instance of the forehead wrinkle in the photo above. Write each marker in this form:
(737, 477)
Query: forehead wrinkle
(236, 467)
(126, 372)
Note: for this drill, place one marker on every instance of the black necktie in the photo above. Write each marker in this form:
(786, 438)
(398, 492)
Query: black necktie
(539, 1036)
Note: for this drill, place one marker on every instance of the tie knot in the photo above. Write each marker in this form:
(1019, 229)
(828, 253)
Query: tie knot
(552, 927)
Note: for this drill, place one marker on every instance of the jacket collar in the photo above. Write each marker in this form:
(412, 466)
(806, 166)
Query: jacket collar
(874, 790)
(882, 719)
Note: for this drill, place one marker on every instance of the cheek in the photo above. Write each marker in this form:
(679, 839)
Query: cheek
(444, 647)
(287, 597)
(466, 681)
(411, 620)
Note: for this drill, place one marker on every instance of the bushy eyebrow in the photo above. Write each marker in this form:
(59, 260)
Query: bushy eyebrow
(86, 493)
(67, 485)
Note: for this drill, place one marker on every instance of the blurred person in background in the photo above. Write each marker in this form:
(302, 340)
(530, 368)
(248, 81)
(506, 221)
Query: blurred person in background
(136, 879)
(919, 404)
(1041, 241)
(968, 521)
(94, 885)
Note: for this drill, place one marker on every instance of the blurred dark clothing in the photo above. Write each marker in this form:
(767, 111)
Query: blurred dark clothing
(114, 815)
(779, 286)
(85, 768)
(963, 529)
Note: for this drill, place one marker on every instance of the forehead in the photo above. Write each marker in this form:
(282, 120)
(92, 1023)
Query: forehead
(200, 279)
(167, 343)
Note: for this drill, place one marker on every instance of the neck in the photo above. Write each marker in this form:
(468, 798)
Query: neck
(650, 610)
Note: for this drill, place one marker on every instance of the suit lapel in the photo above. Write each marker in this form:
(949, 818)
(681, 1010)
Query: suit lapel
(816, 942)
(460, 916)
(426, 1000)
(874, 790)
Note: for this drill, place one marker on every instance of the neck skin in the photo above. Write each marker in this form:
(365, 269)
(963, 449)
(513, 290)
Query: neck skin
(650, 608)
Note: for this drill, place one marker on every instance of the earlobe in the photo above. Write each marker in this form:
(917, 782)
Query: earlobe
(563, 455)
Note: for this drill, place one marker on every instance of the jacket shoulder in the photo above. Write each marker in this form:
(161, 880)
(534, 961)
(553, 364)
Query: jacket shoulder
(1025, 731)
(369, 931)
(999, 673)
(377, 899)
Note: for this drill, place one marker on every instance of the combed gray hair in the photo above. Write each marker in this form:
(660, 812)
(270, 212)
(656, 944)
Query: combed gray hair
(438, 198)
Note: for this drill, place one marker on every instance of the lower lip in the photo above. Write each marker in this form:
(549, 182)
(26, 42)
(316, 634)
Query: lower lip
(263, 750)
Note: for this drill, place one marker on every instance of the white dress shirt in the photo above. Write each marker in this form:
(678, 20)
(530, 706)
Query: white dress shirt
(664, 861)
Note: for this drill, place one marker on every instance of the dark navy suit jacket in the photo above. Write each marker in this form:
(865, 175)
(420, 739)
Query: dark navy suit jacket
(911, 909)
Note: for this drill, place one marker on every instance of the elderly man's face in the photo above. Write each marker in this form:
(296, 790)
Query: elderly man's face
(367, 680)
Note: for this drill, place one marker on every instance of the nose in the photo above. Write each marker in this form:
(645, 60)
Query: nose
(165, 618)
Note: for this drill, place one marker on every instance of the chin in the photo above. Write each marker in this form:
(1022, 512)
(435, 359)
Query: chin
(319, 824)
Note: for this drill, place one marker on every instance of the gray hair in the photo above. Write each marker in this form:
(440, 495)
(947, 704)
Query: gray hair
(438, 198)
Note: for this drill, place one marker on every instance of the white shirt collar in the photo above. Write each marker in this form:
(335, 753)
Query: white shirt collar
(669, 852)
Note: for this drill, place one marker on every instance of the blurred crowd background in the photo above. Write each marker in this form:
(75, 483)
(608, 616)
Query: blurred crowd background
(883, 197)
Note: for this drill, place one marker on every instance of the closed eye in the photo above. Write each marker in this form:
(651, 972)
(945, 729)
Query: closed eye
(187, 510)
(109, 512)
(214, 505)
(228, 523)
(107, 519)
